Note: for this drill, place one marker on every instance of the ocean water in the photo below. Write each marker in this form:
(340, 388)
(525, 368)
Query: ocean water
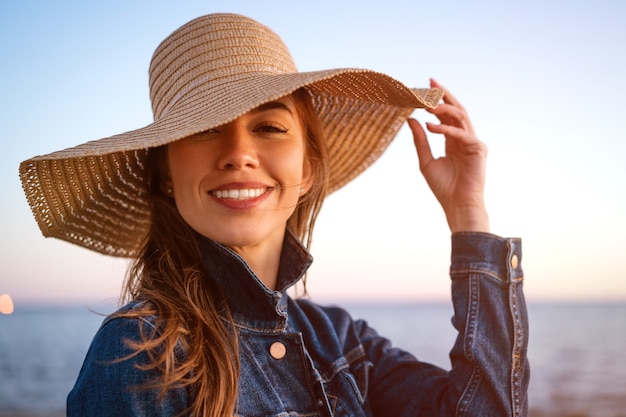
(577, 353)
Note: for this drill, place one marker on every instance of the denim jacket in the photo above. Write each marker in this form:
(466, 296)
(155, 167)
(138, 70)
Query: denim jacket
(301, 359)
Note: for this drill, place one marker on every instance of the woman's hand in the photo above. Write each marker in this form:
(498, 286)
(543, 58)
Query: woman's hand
(458, 178)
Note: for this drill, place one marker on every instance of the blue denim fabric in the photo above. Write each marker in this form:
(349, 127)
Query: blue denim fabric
(332, 364)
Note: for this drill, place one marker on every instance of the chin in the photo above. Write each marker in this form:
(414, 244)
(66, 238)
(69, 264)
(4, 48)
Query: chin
(242, 239)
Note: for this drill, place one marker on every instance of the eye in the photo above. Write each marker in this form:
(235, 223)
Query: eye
(271, 128)
(207, 134)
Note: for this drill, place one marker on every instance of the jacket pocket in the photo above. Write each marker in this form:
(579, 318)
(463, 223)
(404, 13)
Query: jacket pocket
(358, 378)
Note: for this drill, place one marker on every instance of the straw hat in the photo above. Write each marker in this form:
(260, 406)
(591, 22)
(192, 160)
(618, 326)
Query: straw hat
(205, 74)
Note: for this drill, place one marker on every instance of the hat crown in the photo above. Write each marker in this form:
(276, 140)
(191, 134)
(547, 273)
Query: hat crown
(210, 52)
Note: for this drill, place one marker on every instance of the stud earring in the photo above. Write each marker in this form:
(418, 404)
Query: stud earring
(169, 191)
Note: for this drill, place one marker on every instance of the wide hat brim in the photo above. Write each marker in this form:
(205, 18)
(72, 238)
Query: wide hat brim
(94, 194)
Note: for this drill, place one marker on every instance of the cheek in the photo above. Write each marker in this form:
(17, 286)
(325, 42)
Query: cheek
(183, 165)
(307, 174)
(293, 162)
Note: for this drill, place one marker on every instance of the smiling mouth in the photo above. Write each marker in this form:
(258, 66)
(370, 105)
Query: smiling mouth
(243, 194)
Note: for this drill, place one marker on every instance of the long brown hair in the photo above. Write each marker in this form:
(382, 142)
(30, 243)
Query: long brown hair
(189, 308)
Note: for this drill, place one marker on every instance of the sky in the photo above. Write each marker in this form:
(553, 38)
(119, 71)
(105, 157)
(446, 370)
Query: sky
(542, 80)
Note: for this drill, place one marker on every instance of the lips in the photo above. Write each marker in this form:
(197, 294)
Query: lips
(239, 194)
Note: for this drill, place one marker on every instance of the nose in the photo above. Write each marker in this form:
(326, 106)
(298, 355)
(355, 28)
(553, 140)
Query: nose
(238, 150)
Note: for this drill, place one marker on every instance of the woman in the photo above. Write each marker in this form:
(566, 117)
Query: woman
(214, 202)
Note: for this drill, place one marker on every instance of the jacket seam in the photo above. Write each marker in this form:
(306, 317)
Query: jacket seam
(468, 348)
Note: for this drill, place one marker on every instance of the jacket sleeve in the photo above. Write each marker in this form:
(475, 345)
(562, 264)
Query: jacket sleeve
(490, 371)
(111, 382)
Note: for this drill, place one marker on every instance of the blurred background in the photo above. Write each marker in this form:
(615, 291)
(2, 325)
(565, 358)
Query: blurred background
(543, 81)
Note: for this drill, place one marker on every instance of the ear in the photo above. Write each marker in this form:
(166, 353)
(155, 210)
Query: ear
(167, 188)
(166, 184)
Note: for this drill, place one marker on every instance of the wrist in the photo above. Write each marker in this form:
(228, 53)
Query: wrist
(468, 219)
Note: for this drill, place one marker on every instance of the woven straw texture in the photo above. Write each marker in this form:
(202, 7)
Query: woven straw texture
(207, 73)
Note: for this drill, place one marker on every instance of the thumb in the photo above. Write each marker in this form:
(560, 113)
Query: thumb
(422, 146)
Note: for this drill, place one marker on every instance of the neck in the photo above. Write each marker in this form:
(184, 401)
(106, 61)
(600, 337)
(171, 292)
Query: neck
(263, 260)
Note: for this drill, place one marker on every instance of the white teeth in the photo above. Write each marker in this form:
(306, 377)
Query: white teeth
(239, 194)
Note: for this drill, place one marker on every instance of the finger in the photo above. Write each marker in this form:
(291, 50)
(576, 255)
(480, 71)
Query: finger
(424, 153)
(451, 101)
(453, 115)
(458, 134)
(448, 97)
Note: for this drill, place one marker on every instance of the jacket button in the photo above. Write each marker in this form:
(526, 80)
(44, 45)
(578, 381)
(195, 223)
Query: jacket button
(278, 350)
(514, 261)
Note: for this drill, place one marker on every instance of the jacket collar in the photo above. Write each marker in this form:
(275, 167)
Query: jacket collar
(251, 304)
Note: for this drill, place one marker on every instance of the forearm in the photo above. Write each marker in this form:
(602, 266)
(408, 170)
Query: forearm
(489, 356)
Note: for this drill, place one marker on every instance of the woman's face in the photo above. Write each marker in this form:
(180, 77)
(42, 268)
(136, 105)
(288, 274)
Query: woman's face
(238, 184)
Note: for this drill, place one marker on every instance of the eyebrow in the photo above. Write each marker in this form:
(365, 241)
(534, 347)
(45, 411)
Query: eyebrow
(272, 105)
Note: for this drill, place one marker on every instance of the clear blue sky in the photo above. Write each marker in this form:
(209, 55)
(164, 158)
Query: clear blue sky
(543, 80)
